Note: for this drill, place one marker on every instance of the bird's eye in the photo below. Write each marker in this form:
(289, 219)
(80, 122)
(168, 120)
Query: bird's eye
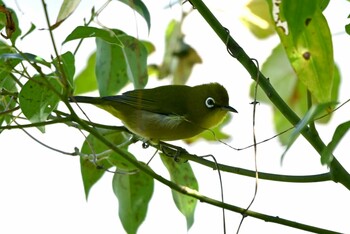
(210, 102)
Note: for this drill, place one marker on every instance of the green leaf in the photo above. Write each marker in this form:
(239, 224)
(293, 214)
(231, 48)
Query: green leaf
(134, 191)
(310, 49)
(81, 32)
(7, 102)
(323, 4)
(92, 172)
(86, 79)
(135, 55)
(182, 174)
(7, 64)
(309, 117)
(120, 162)
(119, 58)
(327, 153)
(172, 35)
(37, 99)
(293, 91)
(149, 46)
(5, 48)
(187, 58)
(110, 67)
(24, 57)
(98, 157)
(298, 102)
(282, 79)
(285, 82)
(140, 8)
(256, 17)
(67, 60)
(305, 12)
(30, 30)
(347, 27)
(334, 95)
(67, 8)
(179, 57)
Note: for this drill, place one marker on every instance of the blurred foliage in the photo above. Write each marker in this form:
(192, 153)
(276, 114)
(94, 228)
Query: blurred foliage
(303, 62)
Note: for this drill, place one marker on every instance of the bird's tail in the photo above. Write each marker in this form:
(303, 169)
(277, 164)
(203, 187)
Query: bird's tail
(85, 99)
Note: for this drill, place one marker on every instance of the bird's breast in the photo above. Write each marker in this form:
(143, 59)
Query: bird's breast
(155, 126)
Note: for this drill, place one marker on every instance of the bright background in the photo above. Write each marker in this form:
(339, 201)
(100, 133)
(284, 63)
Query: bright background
(42, 191)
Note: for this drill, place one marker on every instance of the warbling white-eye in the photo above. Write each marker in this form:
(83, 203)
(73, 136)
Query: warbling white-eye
(167, 113)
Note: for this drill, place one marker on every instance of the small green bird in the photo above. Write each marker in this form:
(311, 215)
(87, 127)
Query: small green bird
(167, 113)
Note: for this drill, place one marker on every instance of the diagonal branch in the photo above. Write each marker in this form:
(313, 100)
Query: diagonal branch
(338, 172)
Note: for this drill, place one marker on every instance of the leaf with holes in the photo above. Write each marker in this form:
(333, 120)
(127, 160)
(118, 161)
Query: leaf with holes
(38, 99)
(309, 49)
(293, 91)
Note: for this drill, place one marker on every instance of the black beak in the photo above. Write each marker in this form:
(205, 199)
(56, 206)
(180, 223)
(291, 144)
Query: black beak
(229, 108)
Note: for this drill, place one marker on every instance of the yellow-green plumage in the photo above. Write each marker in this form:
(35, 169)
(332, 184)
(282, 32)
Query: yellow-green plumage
(169, 112)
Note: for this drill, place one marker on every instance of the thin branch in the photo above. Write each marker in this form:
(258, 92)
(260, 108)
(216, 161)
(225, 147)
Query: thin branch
(47, 146)
(93, 14)
(191, 157)
(255, 148)
(187, 191)
(183, 156)
(8, 111)
(186, 156)
(266, 176)
(38, 124)
(59, 61)
(221, 190)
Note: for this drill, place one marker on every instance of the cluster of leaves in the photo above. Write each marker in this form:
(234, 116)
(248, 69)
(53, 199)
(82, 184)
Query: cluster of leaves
(307, 74)
(118, 60)
(304, 57)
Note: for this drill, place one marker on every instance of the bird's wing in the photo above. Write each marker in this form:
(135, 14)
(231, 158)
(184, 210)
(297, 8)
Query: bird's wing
(156, 100)
(139, 100)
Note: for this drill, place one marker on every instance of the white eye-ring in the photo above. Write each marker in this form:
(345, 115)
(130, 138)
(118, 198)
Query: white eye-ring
(210, 102)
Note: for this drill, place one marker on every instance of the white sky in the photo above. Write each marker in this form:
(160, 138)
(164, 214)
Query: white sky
(42, 191)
